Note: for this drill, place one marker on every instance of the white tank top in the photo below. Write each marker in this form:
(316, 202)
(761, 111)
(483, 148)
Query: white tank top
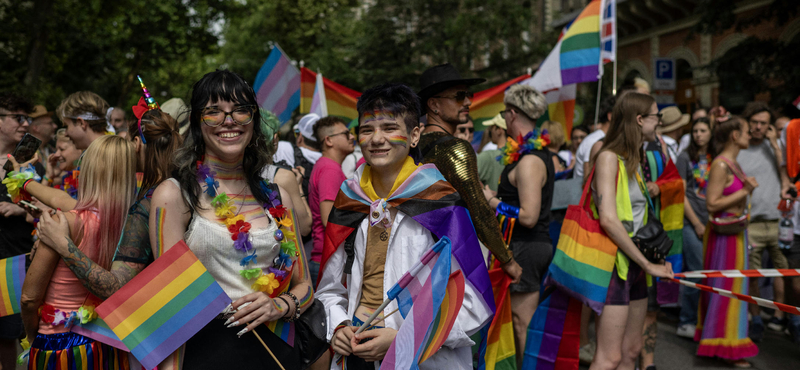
(212, 244)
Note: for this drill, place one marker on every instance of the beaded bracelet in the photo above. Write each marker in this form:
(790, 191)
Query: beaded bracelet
(296, 306)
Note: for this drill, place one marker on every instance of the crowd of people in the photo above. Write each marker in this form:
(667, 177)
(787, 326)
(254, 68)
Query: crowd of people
(104, 196)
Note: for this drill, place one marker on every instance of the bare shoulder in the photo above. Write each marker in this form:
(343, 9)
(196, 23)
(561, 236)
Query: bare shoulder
(168, 195)
(286, 199)
(607, 160)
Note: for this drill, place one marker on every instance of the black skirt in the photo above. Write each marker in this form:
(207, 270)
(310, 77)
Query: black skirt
(217, 347)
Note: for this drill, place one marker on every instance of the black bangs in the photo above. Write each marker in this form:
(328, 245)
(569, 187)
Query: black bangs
(221, 85)
(394, 98)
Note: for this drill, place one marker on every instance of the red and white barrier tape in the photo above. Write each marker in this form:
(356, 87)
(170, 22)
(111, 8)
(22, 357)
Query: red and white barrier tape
(742, 297)
(738, 273)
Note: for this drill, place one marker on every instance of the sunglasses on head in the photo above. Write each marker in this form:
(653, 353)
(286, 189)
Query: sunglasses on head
(459, 96)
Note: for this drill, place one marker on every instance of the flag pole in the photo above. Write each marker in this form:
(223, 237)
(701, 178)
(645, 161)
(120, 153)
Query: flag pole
(374, 316)
(597, 105)
(614, 81)
(269, 350)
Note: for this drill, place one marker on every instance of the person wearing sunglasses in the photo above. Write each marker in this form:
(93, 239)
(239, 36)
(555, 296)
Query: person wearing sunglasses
(466, 131)
(445, 99)
(336, 142)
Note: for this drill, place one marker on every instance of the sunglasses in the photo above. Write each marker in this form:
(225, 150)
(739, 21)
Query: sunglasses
(465, 129)
(347, 133)
(21, 118)
(459, 96)
(659, 115)
(241, 115)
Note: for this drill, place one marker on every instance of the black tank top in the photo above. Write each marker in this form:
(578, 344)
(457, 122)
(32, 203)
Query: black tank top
(508, 194)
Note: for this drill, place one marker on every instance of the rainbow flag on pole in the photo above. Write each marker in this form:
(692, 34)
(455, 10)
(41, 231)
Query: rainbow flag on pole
(561, 107)
(488, 103)
(164, 305)
(576, 57)
(277, 85)
(97, 329)
(340, 101)
(12, 275)
(429, 298)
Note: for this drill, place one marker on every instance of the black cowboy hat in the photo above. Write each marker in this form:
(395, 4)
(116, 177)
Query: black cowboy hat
(439, 78)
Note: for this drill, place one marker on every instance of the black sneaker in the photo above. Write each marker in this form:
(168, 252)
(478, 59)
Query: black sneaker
(756, 332)
(776, 324)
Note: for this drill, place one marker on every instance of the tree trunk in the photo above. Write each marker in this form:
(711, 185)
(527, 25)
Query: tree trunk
(42, 10)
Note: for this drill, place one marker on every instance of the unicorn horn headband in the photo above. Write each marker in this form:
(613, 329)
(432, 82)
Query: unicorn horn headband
(146, 103)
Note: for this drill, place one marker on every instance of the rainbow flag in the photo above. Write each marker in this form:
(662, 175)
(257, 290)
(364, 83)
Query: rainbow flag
(340, 101)
(12, 275)
(576, 57)
(500, 352)
(669, 207)
(487, 103)
(429, 298)
(561, 107)
(277, 85)
(164, 305)
(553, 335)
(97, 329)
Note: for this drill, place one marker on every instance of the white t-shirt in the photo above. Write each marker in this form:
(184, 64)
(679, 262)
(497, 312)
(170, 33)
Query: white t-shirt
(311, 155)
(672, 148)
(684, 143)
(585, 149)
(489, 146)
(285, 152)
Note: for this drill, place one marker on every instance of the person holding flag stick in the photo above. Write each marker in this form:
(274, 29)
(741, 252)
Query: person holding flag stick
(383, 221)
(239, 227)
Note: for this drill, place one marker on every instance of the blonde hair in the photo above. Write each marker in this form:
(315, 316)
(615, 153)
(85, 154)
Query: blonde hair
(61, 136)
(107, 186)
(85, 102)
(624, 136)
(556, 133)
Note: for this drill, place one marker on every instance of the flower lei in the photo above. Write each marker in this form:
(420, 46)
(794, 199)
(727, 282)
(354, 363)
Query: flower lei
(15, 183)
(56, 317)
(701, 176)
(515, 149)
(276, 278)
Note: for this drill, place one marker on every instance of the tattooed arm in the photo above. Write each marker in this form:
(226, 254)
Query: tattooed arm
(99, 281)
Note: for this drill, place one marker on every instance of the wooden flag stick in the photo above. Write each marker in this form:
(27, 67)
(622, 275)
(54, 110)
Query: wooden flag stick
(384, 318)
(269, 350)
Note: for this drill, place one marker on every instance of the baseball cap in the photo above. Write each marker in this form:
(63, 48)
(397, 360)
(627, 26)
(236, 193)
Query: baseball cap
(306, 125)
(498, 121)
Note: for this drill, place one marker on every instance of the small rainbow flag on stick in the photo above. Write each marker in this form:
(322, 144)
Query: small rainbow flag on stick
(164, 305)
(429, 298)
(12, 274)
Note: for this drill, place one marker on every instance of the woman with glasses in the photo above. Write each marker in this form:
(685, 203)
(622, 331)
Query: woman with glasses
(619, 193)
(237, 236)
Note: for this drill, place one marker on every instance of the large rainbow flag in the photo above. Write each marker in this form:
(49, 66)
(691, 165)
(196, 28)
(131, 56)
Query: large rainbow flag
(97, 329)
(12, 275)
(553, 335)
(576, 57)
(561, 107)
(277, 85)
(340, 100)
(488, 103)
(429, 298)
(164, 305)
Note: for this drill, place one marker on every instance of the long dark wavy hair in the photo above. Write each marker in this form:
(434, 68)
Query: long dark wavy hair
(221, 85)
(693, 150)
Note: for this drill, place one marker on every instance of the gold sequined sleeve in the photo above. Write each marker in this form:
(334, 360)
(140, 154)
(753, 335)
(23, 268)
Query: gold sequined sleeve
(457, 161)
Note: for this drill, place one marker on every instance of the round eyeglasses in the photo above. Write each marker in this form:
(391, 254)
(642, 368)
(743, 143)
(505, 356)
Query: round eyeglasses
(241, 115)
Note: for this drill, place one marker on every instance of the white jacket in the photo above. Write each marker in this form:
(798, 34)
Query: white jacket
(407, 242)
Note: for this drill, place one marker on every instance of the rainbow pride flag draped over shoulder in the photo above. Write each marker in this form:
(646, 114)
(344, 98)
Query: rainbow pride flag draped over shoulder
(426, 197)
(340, 100)
(12, 275)
(429, 298)
(576, 57)
(164, 305)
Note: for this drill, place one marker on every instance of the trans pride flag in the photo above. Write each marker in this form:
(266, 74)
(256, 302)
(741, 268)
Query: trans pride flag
(429, 298)
(164, 305)
(12, 275)
(277, 85)
(576, 57)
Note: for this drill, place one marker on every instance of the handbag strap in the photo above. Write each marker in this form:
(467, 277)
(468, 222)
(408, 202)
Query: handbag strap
(585, 197)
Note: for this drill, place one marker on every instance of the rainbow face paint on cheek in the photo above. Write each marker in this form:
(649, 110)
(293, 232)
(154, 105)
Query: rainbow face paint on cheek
(362, 140)
(399, 140)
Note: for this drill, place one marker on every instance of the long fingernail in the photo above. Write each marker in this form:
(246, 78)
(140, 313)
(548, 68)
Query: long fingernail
(235, 323)
(239, 334)
(228, 321)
